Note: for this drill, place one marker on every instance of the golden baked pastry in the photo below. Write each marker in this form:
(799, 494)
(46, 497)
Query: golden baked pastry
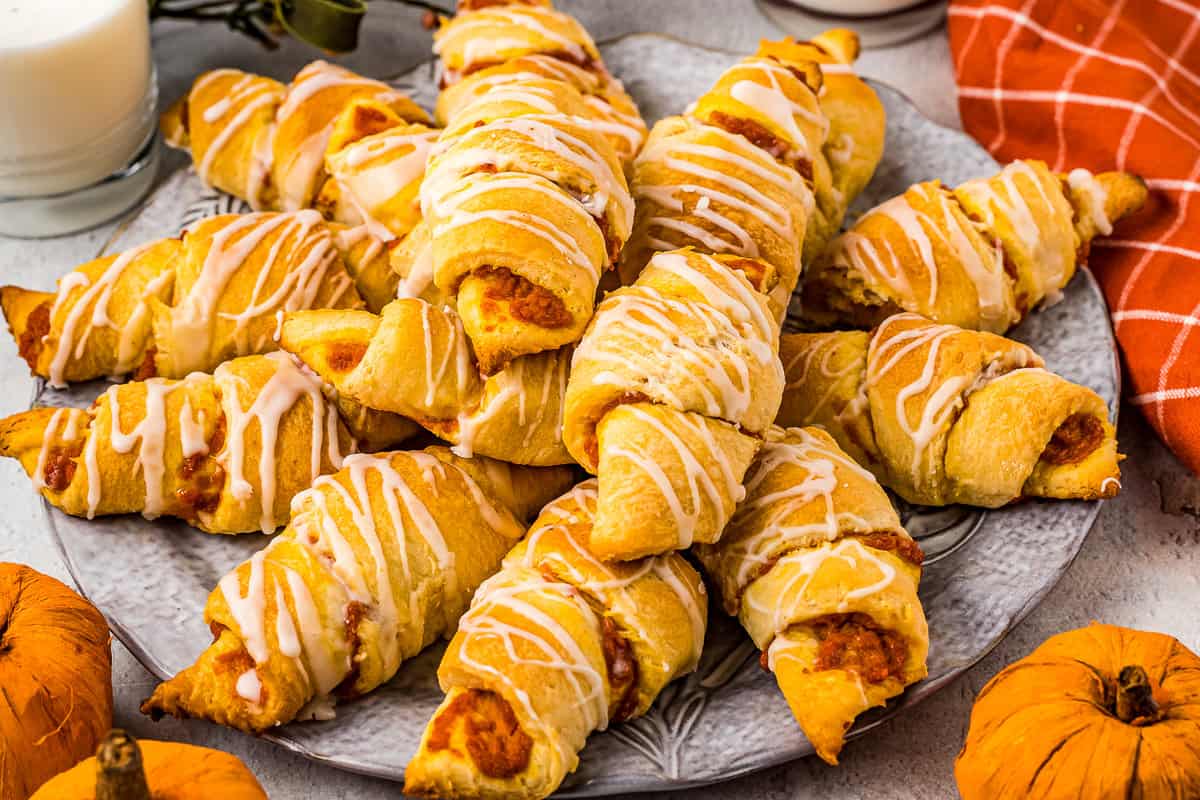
(416, 361)
(375, 168)
(182, 305)
(946, 415)
(981, 256)
(526, 208)
(379, 561)
(854, 140)
(525, 195)
(226, 452)
(824, 578)
(767, 161)
(485, 34)
(609, 109)
(555, 646)
(675, 377)
(265, 142)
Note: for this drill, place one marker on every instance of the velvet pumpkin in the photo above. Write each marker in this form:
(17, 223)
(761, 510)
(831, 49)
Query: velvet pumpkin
(1102, 712)
(55, 679)
(124, 769)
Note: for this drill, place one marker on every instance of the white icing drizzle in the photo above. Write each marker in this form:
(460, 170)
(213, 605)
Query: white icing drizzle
(941, 400)
(1082, 181)
(420, 273)
(290, 384)
(813, 477)
(302, 259)
(57, 430)
(876, 257)
(395, 605)
(1040, 232)
(772, 100)
(579, 567)
(512, 590)
(72, 342)
(696, 447)
(734, 196)
(528, 28)
(802, 566)
(249, 686)
(511, 385)
(233, 111)
(635, 331)
(372, 171)
(446, 214)
(297, 176)
(150, 437)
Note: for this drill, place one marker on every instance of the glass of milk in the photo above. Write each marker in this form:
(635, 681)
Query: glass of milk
(77, 113)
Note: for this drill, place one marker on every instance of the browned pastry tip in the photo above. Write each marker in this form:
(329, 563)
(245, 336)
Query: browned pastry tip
(28, 315)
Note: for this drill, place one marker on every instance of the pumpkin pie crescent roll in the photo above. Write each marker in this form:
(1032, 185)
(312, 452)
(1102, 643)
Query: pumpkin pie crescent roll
(824, 578)
(379, 561)
(675, 376)
(854, 142)
(607, 106)
(555, 646)
(946, 415)
(416, 361)
(182, 305)
(981, 256)
(482, 35)
(226, 452)
(266, 142)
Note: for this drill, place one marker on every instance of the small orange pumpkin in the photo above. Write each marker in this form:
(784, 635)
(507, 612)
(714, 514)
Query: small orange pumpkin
(124, 769)
(1100, 713)
(56, 678)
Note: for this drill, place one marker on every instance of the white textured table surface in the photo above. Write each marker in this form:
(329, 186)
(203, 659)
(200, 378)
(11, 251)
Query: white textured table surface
(1140, 566)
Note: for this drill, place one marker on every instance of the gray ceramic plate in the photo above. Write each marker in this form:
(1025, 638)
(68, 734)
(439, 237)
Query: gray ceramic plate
(984, 573)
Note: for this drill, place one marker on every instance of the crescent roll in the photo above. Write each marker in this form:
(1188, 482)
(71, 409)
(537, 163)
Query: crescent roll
(736, 174)
(674, 378)
(375, 164)
(821, 574)
(182, 305)
(981, 256)
(945, 415)
(379, 561)
(609, 108)
(265, 142)
(853, 144)
(226, 452)
(526, 208)
(484, 34)
(556, 645)
(415, 360)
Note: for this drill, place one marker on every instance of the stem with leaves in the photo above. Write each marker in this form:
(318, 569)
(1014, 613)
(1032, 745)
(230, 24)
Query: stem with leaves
(260, 19)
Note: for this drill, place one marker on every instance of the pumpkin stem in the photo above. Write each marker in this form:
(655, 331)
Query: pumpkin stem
(119, 772)
(1135, 695)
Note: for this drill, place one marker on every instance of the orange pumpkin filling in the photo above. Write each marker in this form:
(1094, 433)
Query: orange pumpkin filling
(763, 139)
(855, 643)
(485, 723)
(1074, 440)
(29, 344)
(526, 301)
(622, 670)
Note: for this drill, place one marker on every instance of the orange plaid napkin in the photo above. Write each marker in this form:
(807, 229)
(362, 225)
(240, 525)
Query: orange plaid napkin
(1109, 85)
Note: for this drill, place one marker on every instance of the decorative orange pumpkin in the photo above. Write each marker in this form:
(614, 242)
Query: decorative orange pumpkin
(55, 679)
(124, 769)
(1098, 713)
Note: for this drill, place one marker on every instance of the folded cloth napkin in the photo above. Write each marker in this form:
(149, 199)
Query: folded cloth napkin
(1109, 85)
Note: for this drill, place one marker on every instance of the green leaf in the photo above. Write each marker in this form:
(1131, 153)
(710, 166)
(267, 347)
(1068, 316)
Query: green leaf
(328, 24)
